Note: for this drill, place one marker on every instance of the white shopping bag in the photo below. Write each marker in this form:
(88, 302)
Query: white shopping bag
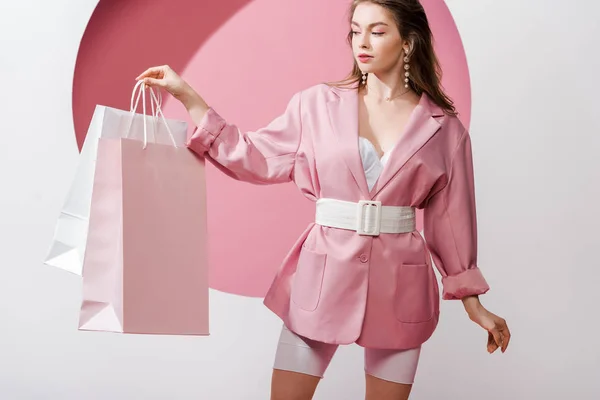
(68, 245)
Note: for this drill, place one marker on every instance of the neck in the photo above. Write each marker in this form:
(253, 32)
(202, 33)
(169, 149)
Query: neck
(387, 85)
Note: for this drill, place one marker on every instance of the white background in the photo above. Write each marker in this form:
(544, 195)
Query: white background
(536, 137)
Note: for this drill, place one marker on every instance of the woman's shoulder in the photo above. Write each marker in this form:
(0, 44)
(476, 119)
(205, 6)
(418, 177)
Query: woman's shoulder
(322, 91)
(453, 123)
(452, 130)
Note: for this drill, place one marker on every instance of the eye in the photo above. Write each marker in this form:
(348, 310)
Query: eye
(354, 33)
(378, 33)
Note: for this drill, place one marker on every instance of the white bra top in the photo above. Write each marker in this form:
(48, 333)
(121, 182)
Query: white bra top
(370, 160)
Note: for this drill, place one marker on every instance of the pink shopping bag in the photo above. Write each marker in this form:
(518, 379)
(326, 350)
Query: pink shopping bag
(145, 266)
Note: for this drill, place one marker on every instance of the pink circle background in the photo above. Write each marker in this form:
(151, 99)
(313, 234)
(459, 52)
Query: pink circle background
(246, 58)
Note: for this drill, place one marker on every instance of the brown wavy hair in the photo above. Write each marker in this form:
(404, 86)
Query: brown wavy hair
(425, 71)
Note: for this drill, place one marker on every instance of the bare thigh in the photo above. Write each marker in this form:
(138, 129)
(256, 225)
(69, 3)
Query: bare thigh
(379, 389)
(389, 374)
(289, 385)
(300, 364)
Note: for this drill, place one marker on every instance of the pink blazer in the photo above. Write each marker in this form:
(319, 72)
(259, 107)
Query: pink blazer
(334, 285)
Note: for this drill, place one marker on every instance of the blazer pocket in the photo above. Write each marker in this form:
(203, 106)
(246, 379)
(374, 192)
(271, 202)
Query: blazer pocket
(413, 302)
(308, 279)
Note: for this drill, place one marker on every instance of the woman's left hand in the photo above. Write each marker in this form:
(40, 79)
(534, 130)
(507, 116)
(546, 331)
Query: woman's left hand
(498, 333)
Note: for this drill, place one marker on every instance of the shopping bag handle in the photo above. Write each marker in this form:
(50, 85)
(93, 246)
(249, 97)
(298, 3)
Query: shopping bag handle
(155, 102)
(139, 85)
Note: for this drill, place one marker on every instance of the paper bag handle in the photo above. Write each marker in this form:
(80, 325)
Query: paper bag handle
(139, 88)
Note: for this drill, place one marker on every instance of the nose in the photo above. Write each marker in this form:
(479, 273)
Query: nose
(363, 42)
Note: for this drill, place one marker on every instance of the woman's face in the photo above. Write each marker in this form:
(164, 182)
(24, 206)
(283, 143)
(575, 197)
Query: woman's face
(376, 42)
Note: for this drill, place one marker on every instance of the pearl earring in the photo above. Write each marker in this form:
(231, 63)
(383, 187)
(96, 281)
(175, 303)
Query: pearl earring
(364, 78)
(406, 73)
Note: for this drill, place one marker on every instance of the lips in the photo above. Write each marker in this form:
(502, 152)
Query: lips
(364, 57)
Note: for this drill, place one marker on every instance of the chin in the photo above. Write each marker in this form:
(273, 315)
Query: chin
(364, 67)
(368, 69)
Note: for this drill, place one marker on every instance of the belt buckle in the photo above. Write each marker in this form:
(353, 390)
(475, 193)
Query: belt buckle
(364, 205)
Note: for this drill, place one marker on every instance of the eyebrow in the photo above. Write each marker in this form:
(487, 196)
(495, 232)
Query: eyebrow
(370, 25)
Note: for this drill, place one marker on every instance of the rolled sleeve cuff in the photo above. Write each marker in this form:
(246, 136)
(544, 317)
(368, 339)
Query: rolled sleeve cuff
(467, 283)
(209, 128)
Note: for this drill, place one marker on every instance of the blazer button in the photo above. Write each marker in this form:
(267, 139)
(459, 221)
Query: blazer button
(364, 258)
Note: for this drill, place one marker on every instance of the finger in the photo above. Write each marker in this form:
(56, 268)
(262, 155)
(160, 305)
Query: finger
(491, 344)
(152, 72)
(154, 82)
(497, 336)
(506, 335)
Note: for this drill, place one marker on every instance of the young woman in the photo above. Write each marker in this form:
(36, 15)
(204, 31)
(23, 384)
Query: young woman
(369, 151)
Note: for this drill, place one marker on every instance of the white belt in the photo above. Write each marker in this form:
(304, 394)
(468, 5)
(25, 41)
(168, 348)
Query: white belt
(365, 217)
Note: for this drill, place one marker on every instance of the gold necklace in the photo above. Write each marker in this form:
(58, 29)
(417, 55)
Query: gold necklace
(393, 97)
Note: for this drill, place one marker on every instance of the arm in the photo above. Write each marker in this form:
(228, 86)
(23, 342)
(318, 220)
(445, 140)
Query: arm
(264, 156)
(450, 229)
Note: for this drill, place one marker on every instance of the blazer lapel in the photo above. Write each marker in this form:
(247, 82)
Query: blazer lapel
(420, 127)
(343, 114)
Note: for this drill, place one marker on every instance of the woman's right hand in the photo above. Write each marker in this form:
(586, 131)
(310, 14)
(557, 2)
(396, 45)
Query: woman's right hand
(164, 77)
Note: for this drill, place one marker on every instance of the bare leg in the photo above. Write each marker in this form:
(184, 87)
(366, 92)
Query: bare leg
(288, 385)
(299, 366)
(389, 374)
(379, 389)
